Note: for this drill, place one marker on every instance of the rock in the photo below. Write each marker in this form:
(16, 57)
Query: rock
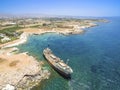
(8, 87)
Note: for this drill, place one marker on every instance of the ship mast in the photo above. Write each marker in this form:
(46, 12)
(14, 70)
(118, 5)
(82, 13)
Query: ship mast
(67, 61)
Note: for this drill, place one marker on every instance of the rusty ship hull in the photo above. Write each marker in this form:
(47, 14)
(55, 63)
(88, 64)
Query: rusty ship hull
(61, 71)
(65, 75)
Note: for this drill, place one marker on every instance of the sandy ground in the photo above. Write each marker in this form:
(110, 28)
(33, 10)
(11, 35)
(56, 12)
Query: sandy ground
(13, 64)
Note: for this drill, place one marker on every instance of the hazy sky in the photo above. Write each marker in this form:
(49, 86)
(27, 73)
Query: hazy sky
(62, 7)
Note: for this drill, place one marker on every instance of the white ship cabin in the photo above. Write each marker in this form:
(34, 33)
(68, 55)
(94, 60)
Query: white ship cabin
(62, 64)
(53, 56)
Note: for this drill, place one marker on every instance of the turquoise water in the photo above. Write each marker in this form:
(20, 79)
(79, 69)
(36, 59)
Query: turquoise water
(94, 57)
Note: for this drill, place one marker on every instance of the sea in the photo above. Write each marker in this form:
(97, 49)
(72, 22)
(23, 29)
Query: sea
(93, 55)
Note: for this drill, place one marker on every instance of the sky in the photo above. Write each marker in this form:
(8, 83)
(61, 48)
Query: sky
(62, 7)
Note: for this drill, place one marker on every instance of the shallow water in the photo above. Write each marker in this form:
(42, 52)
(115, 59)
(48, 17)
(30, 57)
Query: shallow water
(94, 57)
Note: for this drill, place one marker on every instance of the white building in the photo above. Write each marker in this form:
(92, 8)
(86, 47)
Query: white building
(5, 39)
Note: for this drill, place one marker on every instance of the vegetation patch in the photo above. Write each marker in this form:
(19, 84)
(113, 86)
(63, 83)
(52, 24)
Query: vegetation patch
(10, 33)
(14, 63)
(2, 60)
(35, 26)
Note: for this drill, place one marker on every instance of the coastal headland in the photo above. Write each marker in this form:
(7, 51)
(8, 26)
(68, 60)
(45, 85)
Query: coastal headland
(20, 70)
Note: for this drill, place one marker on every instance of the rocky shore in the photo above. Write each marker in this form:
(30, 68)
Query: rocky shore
(20, 71)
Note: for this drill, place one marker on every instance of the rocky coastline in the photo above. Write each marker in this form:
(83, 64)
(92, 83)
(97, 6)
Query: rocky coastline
(19, 71)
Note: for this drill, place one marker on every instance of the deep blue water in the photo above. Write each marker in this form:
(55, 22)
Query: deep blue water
(94, 57)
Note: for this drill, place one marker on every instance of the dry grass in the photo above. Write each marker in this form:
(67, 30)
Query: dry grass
(13, 63)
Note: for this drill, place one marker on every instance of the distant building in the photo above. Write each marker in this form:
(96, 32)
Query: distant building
(2, 35)
(5, 39)
(12, 23)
